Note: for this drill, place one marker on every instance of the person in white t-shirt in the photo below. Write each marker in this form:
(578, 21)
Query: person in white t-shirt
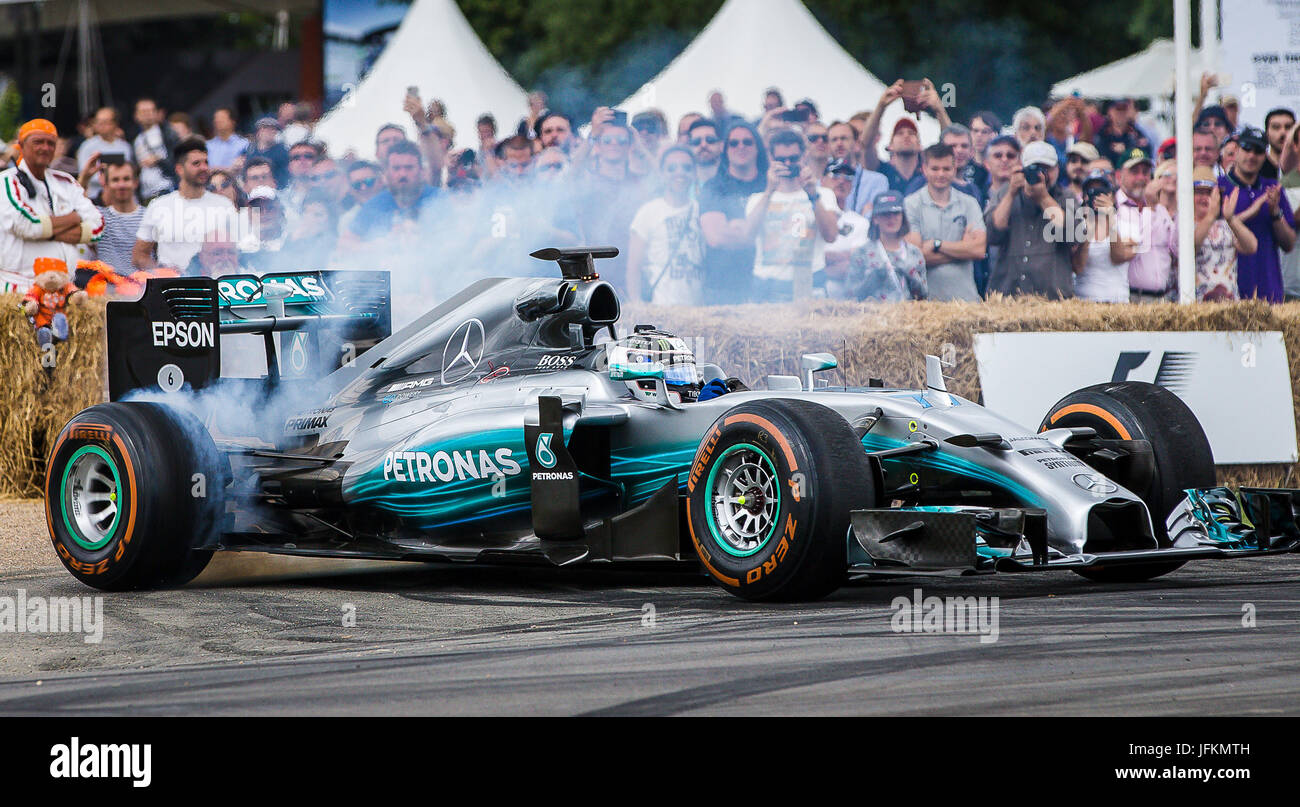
(1100, 268)
(666, 248)
(175, 224)
(852, 232)
(793, 220)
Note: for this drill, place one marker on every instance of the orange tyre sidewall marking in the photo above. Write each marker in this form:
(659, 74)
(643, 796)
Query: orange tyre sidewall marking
(775, 432)
(102, 566)
(704, 555)
(1090, 409)
(786, 449)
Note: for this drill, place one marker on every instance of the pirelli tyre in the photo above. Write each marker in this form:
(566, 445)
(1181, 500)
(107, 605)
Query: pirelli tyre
(130, 490)
(1136, 410)
(769, 496)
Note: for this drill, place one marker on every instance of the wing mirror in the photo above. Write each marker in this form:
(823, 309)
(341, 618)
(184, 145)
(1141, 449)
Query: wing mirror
(815, 363)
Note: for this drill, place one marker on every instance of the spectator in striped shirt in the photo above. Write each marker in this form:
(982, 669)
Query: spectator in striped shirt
(122, 212)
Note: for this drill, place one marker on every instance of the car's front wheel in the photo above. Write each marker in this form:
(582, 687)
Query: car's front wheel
(1136, 410)
(769, 496)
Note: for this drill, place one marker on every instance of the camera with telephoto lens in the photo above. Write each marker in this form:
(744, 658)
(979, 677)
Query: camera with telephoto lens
(1033, 174)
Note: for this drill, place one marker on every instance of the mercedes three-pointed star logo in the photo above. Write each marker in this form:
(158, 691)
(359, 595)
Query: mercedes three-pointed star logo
(1095, 484)
(463, 351)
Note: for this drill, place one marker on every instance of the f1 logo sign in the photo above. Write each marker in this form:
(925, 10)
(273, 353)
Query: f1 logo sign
(1174, 373)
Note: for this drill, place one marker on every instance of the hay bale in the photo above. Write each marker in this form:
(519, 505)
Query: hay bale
(750, 341)
(888, 341)
(35, 404)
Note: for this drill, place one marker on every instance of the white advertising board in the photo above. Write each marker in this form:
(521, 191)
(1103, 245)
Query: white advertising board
(1260, 51)
(1237, 383)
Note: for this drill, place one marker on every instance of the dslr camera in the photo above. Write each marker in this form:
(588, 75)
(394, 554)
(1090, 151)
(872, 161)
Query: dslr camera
(1094, 185)
(1033, 173)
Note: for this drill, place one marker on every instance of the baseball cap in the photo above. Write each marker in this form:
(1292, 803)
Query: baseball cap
(1250, 136)
(1169, 143)
(840, 167)
(647, 121)
(1214, 113)
(904, 123)
(887, 202)
(1136, 157)
(268, 121)
(261, 192)
(1085, 150)
(1168, 166)
(1203, 177)
(1097, 175)
(1039, 152)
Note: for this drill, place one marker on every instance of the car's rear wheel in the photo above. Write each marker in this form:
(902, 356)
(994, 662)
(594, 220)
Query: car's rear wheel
(1136, 410)
(130, 490)
(769, 497)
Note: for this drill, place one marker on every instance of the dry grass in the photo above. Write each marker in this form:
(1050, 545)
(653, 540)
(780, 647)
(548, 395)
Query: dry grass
(871, 340)
(888, 341)
(35, 404)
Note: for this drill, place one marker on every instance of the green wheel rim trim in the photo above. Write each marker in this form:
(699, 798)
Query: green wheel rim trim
(766, 467)
(86, 526)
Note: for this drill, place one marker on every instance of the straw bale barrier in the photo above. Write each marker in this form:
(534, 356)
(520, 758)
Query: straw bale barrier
(751, 341)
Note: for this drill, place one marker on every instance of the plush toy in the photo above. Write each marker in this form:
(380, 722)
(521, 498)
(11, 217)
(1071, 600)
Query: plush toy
(103, 280)
(45, 303)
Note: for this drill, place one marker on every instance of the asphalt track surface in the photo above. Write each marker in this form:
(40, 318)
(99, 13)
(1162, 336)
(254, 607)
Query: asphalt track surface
(250, 638)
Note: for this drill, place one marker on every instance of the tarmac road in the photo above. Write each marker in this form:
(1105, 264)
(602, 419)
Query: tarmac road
(250, 638)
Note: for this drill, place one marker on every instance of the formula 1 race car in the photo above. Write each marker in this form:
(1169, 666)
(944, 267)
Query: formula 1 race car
(513, 423)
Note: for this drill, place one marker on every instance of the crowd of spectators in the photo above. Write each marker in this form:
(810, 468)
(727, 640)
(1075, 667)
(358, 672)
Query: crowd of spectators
(724, 207)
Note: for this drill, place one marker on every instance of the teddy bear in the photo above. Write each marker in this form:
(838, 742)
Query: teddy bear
(45, 303)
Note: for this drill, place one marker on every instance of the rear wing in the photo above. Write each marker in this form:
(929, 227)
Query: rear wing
(170, 338)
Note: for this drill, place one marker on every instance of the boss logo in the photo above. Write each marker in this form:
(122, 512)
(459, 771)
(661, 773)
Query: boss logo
(184, 334)
(556, 362)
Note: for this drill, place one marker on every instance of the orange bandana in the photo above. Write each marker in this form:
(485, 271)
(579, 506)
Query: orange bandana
(36, 125)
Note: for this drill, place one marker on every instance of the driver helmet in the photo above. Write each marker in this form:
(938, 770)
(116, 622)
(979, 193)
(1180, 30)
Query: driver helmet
(639, 353)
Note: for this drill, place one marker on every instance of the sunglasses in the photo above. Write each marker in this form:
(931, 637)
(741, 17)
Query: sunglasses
(816, 138)
(218, 186)
(364, 184)
(746, 142)
(1251, 148)
(706, 140)
(1003, 155)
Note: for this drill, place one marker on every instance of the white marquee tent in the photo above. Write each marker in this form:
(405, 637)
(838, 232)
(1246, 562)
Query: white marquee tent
(436, 50)
(751, 45)
(1146, 74)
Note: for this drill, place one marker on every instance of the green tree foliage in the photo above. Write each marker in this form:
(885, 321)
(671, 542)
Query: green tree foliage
(999, 54)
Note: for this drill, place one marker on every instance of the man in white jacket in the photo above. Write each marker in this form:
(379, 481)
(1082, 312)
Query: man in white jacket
(44, 213)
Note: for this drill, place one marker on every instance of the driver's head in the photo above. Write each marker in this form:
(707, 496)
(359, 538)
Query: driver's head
(633, 357)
